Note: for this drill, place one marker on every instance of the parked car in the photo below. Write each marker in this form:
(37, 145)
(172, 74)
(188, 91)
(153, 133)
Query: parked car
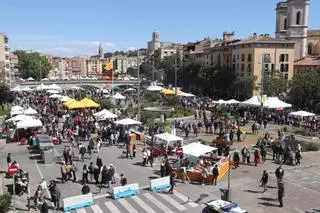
(221, 206)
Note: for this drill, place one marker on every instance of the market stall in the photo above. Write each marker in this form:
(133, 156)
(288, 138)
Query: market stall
(202, 158)
(165, 142)
(129, 122)
(104, 114)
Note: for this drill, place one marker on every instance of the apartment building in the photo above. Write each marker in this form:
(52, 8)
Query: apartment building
(5, 69)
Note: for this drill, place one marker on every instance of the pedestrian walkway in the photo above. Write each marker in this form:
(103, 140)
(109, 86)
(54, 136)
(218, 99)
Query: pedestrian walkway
(146, 201)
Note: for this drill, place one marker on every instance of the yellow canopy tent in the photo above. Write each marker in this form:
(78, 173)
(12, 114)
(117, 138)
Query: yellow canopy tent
(69, 102)
(87, 103)
(170, 92)
(167, 92)
(75, 105)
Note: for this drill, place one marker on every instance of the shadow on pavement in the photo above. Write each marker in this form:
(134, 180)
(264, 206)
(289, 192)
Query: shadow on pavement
(269, 204)
(267, 199)
(253, 191)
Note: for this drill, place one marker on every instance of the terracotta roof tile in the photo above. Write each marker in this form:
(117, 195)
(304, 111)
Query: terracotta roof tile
(308, 61)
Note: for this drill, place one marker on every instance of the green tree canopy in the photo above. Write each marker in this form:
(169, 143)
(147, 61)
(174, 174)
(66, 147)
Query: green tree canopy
(275, 84)
(242, 87)
(6, 96)
(33, 64)
(305, 89)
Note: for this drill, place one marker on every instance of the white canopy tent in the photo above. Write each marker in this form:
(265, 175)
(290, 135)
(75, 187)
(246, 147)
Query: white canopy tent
(26, 89)
(54, 87)
(16, 108)
(18, 118)
(128, 121)
(168, 137)
(130, 90)
(232, 101)
(185, 94)
(28, 123)
(154, 88)
(274, 103)
(219, 102)
(30, 79)
(51, 91)
(16, 112)
(45, 79)
(65, 99)
(42, 87)
(56, 96)
(118, 96)
(253, 101)
(16, 89)
(197, 149)
(104, 114)
(30, 111)
(302, 113)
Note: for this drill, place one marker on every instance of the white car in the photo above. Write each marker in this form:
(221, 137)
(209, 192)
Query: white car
(221, 206)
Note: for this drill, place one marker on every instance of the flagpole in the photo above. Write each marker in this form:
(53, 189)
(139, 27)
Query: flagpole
(138, 88)
(112, 75)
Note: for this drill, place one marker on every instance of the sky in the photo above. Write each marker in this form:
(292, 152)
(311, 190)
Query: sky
(70, 27)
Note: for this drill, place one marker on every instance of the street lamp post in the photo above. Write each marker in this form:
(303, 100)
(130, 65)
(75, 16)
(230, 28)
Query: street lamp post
(138, 88)
(175, 72)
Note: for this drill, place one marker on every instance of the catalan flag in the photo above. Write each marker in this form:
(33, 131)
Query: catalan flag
(109, 65)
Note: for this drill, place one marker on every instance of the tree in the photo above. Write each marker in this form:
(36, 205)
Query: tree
(242, 87)
(33, 64)
(132, 72)
(6, 96)
(304, 89)
(275, 84)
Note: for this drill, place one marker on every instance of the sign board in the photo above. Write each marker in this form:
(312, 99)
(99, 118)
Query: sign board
(77, 202)
(125, 191)
(179, 151)
(12, 170)
(160, 183)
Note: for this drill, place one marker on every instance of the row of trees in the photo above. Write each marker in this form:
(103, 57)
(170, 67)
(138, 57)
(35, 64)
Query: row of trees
(32, 64)
(303, 90)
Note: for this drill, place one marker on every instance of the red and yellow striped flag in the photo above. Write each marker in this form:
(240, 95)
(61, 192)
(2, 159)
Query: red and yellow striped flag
(109, 65)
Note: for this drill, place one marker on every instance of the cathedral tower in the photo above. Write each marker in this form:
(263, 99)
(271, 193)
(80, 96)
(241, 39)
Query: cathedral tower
(100, 51)
(292, 24)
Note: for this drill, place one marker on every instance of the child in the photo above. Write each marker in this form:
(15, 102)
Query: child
(264, 180)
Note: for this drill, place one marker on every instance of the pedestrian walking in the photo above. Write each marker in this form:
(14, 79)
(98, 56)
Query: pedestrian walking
(128, 150)
(96, 173)
(298, 157)
(112, 171)
(85, 172)
(256, 157)
(236, 159)
(264, 180)
(91, 172)
(215, 174)
(74, 170)
(85, 189)
(144, 156)
(123, 180)
(151, 159)
(280, 193)
(99, 163)
(172, 182)
(63, 173)
(55, 195)
(279, 173)
(134, 150)
(162, 169)
(9, 159)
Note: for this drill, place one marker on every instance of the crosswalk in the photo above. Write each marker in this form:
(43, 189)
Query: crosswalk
(145, 202)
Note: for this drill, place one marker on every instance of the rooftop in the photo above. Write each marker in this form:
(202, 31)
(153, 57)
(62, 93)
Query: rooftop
(312, 33)
(308, 61)
(263, 39)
